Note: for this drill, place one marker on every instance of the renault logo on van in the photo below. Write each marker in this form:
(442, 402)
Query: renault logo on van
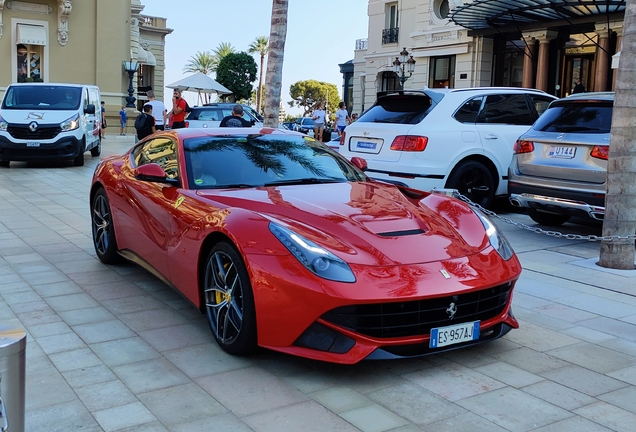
(33, 126)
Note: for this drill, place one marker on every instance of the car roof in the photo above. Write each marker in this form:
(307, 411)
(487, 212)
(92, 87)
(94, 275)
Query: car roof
(50, 84)
(603, 96)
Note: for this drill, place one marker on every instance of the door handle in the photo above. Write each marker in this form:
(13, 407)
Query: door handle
(491, 137)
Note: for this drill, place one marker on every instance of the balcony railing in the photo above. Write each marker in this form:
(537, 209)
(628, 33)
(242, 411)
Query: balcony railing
(362, 44)
(150, 21)
(390, 35)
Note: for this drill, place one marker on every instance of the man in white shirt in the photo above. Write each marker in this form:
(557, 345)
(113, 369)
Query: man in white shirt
(158, 110)
(342, 118)
(319, 121)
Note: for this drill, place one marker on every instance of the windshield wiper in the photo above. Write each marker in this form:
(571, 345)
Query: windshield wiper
(307, 180)
(232, 186)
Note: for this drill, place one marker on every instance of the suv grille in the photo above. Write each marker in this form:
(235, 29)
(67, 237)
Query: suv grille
(416, 318)
(43, 132)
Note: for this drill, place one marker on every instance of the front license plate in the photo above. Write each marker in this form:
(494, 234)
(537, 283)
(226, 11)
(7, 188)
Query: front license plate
(451, 335)
(562, 152)
(33, 144)
(366, 145)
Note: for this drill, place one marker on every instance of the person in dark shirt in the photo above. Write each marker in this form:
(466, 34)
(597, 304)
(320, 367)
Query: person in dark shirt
(149, 124)
(236, 119)
(578, 87)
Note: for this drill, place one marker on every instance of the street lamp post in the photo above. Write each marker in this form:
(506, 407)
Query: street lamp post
(130, 67)
(402, 64)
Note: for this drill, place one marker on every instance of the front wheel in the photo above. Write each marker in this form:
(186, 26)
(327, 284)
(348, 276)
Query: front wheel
(5, 164)
(97, 150)
(473, 180)
(229, 301)
(548, 219)
(103, 229)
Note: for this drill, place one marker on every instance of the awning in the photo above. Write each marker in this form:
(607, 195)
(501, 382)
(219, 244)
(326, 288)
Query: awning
(482, 14)
(146, 57)
(30, 34)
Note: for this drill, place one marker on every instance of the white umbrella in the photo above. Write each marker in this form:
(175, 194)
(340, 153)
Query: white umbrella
(200, 83)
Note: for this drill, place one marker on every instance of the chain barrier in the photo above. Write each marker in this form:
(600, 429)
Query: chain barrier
(612, 238)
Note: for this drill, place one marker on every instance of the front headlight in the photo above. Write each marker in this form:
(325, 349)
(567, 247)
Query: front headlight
(497, 239)
(3, 124)
(70, 124)
(319, 261)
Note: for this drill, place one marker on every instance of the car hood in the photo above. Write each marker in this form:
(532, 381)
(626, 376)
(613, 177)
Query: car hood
(366, 222)
(40, 116)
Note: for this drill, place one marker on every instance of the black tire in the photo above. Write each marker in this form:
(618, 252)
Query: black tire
(473, 180)
(5, 164)
(229, 302)
(548, 219)
(103, 229)
(97, 150)
(79, 160)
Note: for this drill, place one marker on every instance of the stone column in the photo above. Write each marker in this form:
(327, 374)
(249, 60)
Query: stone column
(529, 59)
(602, 59)
(544, 38)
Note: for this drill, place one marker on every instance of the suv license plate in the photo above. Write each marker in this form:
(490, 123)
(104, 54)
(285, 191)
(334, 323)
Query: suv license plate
(562, 152)
(451, 335)
(33, 144)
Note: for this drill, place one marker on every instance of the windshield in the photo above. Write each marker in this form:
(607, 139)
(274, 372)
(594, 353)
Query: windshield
(253, 113)
(259, 160)
(588, 117)
(42, 97)
(401, 109)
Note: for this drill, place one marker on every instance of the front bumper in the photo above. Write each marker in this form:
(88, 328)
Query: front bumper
(65, 147)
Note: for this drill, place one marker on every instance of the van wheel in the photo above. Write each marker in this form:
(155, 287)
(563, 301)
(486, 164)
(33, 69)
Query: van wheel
(97, 150)
(473, 180)
(4, 164)
(548, 219)
(79, 160)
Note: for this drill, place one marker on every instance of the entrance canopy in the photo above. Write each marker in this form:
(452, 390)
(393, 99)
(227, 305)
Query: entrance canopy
(483, 14)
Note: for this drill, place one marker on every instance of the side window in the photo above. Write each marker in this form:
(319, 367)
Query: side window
(540, 104)
(506, 109)
(161, 151)
(467, 113)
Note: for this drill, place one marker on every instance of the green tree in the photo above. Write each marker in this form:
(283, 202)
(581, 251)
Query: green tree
(237, 72)
(260, 45)
(223, 49)
(307, 94)
(274, 77)
(620, 201)
(202, 61)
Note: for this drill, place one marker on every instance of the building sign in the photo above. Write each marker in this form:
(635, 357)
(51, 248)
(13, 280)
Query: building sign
(590, 49)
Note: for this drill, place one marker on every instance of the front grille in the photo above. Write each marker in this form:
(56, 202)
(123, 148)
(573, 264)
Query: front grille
(417, 318)
(43, 132)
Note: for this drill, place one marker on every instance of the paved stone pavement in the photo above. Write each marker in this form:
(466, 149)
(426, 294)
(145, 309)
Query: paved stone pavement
(113, 349)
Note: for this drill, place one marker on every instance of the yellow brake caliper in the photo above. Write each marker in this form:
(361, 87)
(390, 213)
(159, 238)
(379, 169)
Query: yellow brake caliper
(219, 296)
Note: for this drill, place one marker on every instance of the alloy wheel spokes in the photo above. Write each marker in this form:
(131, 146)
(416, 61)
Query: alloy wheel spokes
(101, 224)
(223, 297)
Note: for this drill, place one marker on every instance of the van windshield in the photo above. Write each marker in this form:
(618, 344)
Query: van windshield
(46, 97)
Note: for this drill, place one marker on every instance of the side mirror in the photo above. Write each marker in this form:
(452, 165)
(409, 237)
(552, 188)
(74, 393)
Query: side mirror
(152, 172)
(90, 109)
(253, 122)
(359, 162)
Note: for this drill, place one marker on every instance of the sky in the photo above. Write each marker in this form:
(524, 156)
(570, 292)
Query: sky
(320, 35)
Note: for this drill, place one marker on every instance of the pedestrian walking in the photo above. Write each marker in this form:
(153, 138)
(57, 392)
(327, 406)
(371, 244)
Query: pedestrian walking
(159, 111)
(145, 123)
(123, 117)
(179, 106)
(342, 118)
(104, 125)
(319, 121)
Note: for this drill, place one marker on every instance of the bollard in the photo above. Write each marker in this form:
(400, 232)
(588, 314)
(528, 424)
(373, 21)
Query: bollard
(12, 378)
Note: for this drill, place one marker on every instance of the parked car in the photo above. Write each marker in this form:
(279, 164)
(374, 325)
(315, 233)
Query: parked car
(436, 138)
(210, 115)
(559, 168)
(304, 125)
(288, 125)
(47, 121)
(286, 245)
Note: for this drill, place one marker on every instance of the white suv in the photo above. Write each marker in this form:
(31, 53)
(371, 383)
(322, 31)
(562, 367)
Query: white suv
(457, 138)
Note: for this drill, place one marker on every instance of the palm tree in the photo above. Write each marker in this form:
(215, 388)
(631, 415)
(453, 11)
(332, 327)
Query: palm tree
(260, 45)
(223, 49)
(620, 200)
(202, 62)
(274, 77)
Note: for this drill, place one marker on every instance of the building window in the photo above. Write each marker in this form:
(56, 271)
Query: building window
(390, 32)
(29, 51)
(442, 72)
(441, 9)
(389, 81)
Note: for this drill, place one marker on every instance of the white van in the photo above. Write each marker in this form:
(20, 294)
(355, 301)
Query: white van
(45, 121)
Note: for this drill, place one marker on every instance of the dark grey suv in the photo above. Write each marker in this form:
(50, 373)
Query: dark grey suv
(559, 167)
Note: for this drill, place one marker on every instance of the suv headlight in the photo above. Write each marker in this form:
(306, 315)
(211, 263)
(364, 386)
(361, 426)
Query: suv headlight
(3, 124)
(318, 260)
(70, 124)
(497, 239)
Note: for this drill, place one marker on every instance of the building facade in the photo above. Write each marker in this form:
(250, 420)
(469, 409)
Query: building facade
(458, 44)
(83, 42)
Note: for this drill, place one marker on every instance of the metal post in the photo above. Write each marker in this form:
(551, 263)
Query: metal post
(12, 378)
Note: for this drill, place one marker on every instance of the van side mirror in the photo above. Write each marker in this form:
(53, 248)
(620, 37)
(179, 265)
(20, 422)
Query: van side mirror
(90, 109)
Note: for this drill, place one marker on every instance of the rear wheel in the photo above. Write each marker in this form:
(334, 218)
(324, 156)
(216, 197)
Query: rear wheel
(97, 150)
(229, 301)
(548, 219)
(473, 180)
(4, 164)
(103, 229)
